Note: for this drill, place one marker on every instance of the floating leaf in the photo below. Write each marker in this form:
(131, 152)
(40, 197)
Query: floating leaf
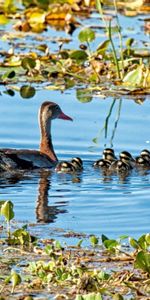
(84, 95)
(86, 35)
(8, 75)
(27, 91)
(133, 243)
(143, 261)
(28, 63)
(93, 240)
(79, 55)
(7, 210)
(134, 77)
(91, 296)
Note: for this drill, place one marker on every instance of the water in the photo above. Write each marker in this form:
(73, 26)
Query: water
(88, 202)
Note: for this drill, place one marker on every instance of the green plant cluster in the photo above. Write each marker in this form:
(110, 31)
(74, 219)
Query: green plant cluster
(108, 268)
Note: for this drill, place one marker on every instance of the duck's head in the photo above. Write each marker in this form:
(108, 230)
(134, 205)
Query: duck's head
(126, 157)
(77, 163)
(65, 167)
(109, 154)
(145, 154)
(51, 110)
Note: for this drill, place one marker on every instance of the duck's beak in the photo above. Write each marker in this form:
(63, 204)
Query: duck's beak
(64, 117)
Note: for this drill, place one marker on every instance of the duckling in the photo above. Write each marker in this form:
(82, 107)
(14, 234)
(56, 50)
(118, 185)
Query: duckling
(77, 163)
(106, 161)
(144, 159)
(125, 162)
(109, 154)
(70, 167)
(65, 167)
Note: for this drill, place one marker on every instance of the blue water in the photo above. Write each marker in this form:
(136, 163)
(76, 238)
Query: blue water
(88, 202)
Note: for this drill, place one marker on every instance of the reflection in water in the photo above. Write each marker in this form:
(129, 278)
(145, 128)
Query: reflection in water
(44, 212)
(105, 127)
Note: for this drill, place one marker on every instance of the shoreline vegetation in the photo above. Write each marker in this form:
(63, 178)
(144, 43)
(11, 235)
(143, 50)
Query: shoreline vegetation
(116, 66)
(103, 269)
(48, 269)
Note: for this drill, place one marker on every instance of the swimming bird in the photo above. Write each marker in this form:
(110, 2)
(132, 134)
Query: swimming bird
(125, 163)
(75, 165)
(108, 158)
(144, 159)
(45, 157)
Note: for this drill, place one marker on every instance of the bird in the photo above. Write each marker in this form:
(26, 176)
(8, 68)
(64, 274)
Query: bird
(73, 166)
(125, 162)
(144, 159)
(45, 157)
(108, 157)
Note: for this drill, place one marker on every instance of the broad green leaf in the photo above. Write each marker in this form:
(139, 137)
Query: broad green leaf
(7, 210)
(27, 91)
(143, 261)
(93, 240)
(147, 238)
(109, 244)
(86, 35)
(8, 75)
(103, 47)
(104, 238)
(15, 279)
(134, 77)
(91, 296)
(104, 276)
(79, 55)
(134, 243)
(28, 63)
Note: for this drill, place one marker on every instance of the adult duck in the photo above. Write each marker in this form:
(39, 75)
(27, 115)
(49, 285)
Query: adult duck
(45, 157)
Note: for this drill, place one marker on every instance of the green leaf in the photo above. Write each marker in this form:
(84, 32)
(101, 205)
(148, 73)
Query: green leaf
(134, 243)
(15, 279)
(91, 296)
(117, 297)
(27, 91)
(8, 75)
(103, 47)
(84, 95)
(7, 210)
(28, 63)
(86, 35)
(129, 42)
(134, 77)
(93, 240)
(143, 261)
(104, 238)
(147, 238)
(110, 244)
(79, 55)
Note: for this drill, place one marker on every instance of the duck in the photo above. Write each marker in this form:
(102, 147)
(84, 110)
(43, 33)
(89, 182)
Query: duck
(73, 166)
(144, 159)
(125, 162)
(108, 157)
(45, 157)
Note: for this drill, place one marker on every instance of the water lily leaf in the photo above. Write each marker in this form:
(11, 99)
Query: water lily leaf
(143, 261)
(79, 55)
(84, 95)
(86, 35)
(27, 91)
(7, 210)
(8, 75)
(134, 77)
(28, 63)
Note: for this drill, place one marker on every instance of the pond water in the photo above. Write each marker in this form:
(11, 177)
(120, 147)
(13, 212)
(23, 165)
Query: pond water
(88, 202)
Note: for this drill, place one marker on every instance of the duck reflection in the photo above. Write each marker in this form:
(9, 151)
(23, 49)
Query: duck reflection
(44, 212)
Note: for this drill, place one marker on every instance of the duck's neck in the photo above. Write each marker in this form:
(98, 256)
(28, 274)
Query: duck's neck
(46, 145)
